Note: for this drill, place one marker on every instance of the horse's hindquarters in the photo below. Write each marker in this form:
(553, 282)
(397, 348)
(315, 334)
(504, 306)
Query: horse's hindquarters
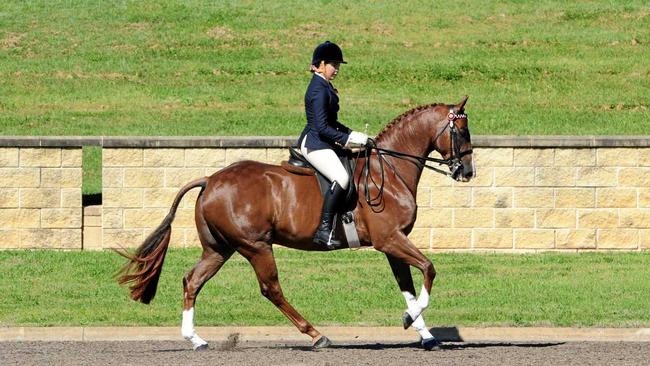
(251, 202)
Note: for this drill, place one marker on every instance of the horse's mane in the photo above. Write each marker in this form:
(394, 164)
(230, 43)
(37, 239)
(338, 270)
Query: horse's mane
(396, 121)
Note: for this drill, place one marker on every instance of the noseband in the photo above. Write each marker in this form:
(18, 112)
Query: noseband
(453, 161)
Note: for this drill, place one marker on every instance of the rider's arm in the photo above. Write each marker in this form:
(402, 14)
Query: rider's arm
(319, 100)
(341, 127)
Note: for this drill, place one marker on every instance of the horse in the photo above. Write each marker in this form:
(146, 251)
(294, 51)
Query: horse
(248, 206)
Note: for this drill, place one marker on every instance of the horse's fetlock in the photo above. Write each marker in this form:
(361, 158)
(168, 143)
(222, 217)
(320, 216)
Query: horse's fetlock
(304, 327)
(188, 332)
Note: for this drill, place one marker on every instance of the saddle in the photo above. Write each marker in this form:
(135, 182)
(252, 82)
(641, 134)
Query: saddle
(344, 221)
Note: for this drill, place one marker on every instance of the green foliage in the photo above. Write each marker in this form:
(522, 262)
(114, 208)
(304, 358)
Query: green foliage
(239, 67)
(345, 287)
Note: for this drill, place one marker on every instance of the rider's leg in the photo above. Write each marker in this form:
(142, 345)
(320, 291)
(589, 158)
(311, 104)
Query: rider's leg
(324, 233)
(328, 163)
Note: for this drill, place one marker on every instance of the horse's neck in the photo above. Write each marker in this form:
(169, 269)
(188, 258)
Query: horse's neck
(413, 140)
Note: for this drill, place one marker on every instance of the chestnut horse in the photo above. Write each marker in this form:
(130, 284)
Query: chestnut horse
(248, 206)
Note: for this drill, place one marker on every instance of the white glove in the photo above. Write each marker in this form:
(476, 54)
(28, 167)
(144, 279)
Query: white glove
(357, 138)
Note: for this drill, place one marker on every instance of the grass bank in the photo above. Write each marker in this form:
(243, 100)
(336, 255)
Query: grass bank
(43, 288)
(239, 67)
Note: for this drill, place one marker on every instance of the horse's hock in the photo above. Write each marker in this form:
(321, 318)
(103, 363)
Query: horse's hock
(530, 194)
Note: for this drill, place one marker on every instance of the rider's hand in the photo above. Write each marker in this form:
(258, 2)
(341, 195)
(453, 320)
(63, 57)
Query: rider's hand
(357, 138)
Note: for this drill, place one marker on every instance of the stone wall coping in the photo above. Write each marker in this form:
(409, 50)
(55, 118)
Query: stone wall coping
(541, 141)
(49, 141)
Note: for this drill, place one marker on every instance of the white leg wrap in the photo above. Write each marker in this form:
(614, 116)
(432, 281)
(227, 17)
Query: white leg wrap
(414, 308)
(423, 299)
(187, 329)
(421, 328)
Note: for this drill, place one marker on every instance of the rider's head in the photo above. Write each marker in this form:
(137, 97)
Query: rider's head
(326, 59)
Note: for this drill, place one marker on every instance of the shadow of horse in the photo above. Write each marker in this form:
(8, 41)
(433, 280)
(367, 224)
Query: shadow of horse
(416, 345)
(443, 334)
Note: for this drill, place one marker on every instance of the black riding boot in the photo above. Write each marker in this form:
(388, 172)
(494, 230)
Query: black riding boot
(324, 232)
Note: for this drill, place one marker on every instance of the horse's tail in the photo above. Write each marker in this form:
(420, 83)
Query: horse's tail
(143, 269)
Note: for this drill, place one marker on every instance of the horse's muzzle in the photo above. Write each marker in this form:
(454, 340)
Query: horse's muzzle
(462, 171)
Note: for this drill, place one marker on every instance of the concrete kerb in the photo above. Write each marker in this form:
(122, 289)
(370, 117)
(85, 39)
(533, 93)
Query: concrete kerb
(336, 334)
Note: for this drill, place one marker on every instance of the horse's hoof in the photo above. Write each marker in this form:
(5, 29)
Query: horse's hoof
(323, 342)
(203, 347)
(407, 320)
(431, 344)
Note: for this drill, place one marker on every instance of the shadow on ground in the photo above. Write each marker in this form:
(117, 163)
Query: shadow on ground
(448, 334)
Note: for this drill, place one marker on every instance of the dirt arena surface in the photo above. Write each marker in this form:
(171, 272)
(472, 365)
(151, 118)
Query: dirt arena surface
(232, 352)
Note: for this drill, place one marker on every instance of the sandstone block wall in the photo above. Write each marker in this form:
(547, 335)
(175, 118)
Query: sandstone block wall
(537, 193)
(523, 199)
(139, 186)
(40, 197)
(540, 199)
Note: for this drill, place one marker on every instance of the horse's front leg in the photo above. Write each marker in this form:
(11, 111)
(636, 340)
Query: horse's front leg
(399, 247)
(405, 282)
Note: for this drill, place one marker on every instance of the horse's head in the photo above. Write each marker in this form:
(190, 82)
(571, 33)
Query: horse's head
(453, 142)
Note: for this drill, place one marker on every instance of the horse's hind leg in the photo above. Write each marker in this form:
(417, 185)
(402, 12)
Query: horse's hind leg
(193, 281)
(214, 256)
(260, 255)
(404, 279)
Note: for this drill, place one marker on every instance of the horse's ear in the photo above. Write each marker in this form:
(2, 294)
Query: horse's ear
(459, 107)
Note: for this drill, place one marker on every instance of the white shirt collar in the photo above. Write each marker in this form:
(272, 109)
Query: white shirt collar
(321, 75)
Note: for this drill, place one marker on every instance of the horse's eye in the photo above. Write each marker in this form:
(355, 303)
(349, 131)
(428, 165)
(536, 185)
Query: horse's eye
(464, 133)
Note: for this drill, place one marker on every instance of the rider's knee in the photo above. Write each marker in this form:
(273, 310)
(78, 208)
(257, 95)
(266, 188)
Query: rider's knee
(343, 181)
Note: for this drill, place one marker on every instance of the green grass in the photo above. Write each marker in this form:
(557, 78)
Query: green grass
(92, 170)
(239, 67)
(50, 288)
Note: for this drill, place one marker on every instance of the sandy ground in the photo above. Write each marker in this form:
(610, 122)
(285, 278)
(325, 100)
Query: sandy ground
(233, 352)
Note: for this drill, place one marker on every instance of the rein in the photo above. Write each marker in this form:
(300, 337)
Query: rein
(453, 162)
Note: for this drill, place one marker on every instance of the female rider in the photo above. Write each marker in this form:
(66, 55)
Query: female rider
(324, 135)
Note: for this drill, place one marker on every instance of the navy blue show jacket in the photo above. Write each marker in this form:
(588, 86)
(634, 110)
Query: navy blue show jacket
(323, 129)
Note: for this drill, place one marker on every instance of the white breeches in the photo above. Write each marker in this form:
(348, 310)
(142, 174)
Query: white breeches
(328, 163)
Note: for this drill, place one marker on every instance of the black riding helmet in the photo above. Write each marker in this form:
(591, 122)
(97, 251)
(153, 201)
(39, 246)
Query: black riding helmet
(328, 52)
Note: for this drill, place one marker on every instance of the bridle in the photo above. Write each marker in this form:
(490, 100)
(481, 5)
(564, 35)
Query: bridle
(453, 161)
